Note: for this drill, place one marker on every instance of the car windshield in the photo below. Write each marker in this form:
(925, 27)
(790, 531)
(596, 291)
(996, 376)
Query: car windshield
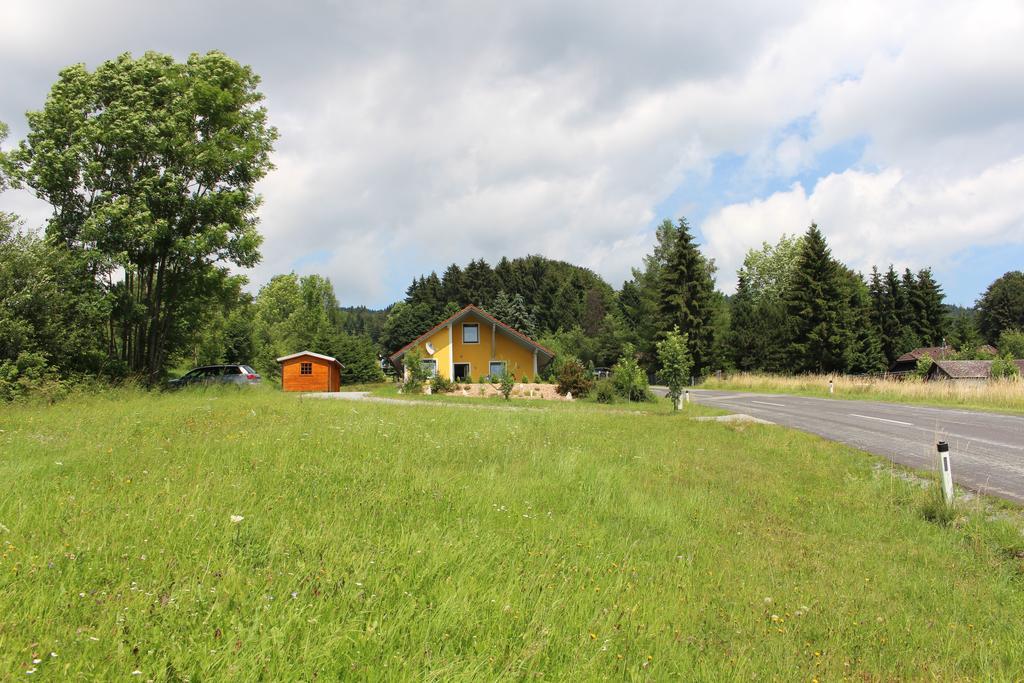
(248, 370)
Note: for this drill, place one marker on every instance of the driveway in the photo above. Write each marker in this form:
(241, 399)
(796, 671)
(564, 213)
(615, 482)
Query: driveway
(987, 449)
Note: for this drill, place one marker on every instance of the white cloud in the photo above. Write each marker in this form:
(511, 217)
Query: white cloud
(423, 135)
(878, 218)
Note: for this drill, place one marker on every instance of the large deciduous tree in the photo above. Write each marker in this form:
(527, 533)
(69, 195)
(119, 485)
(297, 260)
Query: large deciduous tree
(150, 166)
(1002, 306)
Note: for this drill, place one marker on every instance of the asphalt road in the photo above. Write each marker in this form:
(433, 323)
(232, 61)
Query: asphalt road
(987, 449)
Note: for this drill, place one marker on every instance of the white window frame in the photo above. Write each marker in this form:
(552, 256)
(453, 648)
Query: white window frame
(502, 363)
(430, 361)
(464, 326)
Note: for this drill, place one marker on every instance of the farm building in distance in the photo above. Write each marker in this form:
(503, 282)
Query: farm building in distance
(473, 344)
(308, 371)
(965, 370)
(908, 362)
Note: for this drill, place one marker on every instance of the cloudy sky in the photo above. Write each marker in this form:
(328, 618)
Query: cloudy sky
(416, 134)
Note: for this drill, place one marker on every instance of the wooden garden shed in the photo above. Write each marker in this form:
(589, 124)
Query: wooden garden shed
(308, 371)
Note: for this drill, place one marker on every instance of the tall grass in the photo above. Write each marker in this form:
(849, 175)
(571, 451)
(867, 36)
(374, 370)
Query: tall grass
(1006, 395)
(425, 542)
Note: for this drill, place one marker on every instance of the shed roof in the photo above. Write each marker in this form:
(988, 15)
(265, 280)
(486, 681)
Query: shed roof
(483, 314)
(965, 369)
(329, 359)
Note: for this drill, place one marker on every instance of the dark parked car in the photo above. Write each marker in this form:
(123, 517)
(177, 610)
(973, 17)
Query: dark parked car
(217, 374)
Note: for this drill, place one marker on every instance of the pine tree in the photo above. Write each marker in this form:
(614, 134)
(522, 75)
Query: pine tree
(866, 354)
(881, 313)
(915, 306)
(452, 286)
(818, 310)
(933, 313)
(746, 341)
(685, 289)
(512, 311)
(480, 283)
(898, 334)
(427, 291)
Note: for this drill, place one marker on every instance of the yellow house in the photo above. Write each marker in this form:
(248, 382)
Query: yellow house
(473, 343)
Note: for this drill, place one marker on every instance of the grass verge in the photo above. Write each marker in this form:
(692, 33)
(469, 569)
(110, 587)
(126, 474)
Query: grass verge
(425, 542)
(1002, 396)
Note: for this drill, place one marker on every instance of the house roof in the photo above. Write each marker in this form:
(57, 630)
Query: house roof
(464, 312)
(330, 359)
(965, 369)
(933, 352)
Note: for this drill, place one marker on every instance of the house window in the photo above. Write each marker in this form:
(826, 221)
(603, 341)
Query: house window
(305, 368)
(471, 334)
(496, 368)
(430, 365)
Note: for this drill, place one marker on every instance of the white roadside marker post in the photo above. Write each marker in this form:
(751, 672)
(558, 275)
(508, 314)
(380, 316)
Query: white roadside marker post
(679, 402)
(687, 395)
(947, 473)
(831, 388)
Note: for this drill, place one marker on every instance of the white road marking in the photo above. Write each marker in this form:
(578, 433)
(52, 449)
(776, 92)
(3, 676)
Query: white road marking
(766, 403)
(882, 419)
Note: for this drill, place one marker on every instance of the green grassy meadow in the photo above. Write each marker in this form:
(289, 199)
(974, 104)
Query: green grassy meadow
(424, 542)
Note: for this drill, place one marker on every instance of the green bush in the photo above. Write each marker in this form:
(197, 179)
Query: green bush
(415, 373)
(441, 385)
(1011, 343)
(628, 377)
(573, 377)
(505, 384)
(28, 376)
(1004, 368)
(604, 391)
(676, 363)
(924, 364)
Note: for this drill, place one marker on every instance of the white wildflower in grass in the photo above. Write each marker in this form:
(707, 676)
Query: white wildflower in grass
(30, 671)
(235, 519)
(37, 661)
(136, 673)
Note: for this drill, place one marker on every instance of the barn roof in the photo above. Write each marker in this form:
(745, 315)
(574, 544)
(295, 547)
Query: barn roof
(933, 352)
(329, 359)
(965, 369)
(483, 314)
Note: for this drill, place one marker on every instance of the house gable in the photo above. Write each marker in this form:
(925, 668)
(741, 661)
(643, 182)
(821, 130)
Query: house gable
(495, 341)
